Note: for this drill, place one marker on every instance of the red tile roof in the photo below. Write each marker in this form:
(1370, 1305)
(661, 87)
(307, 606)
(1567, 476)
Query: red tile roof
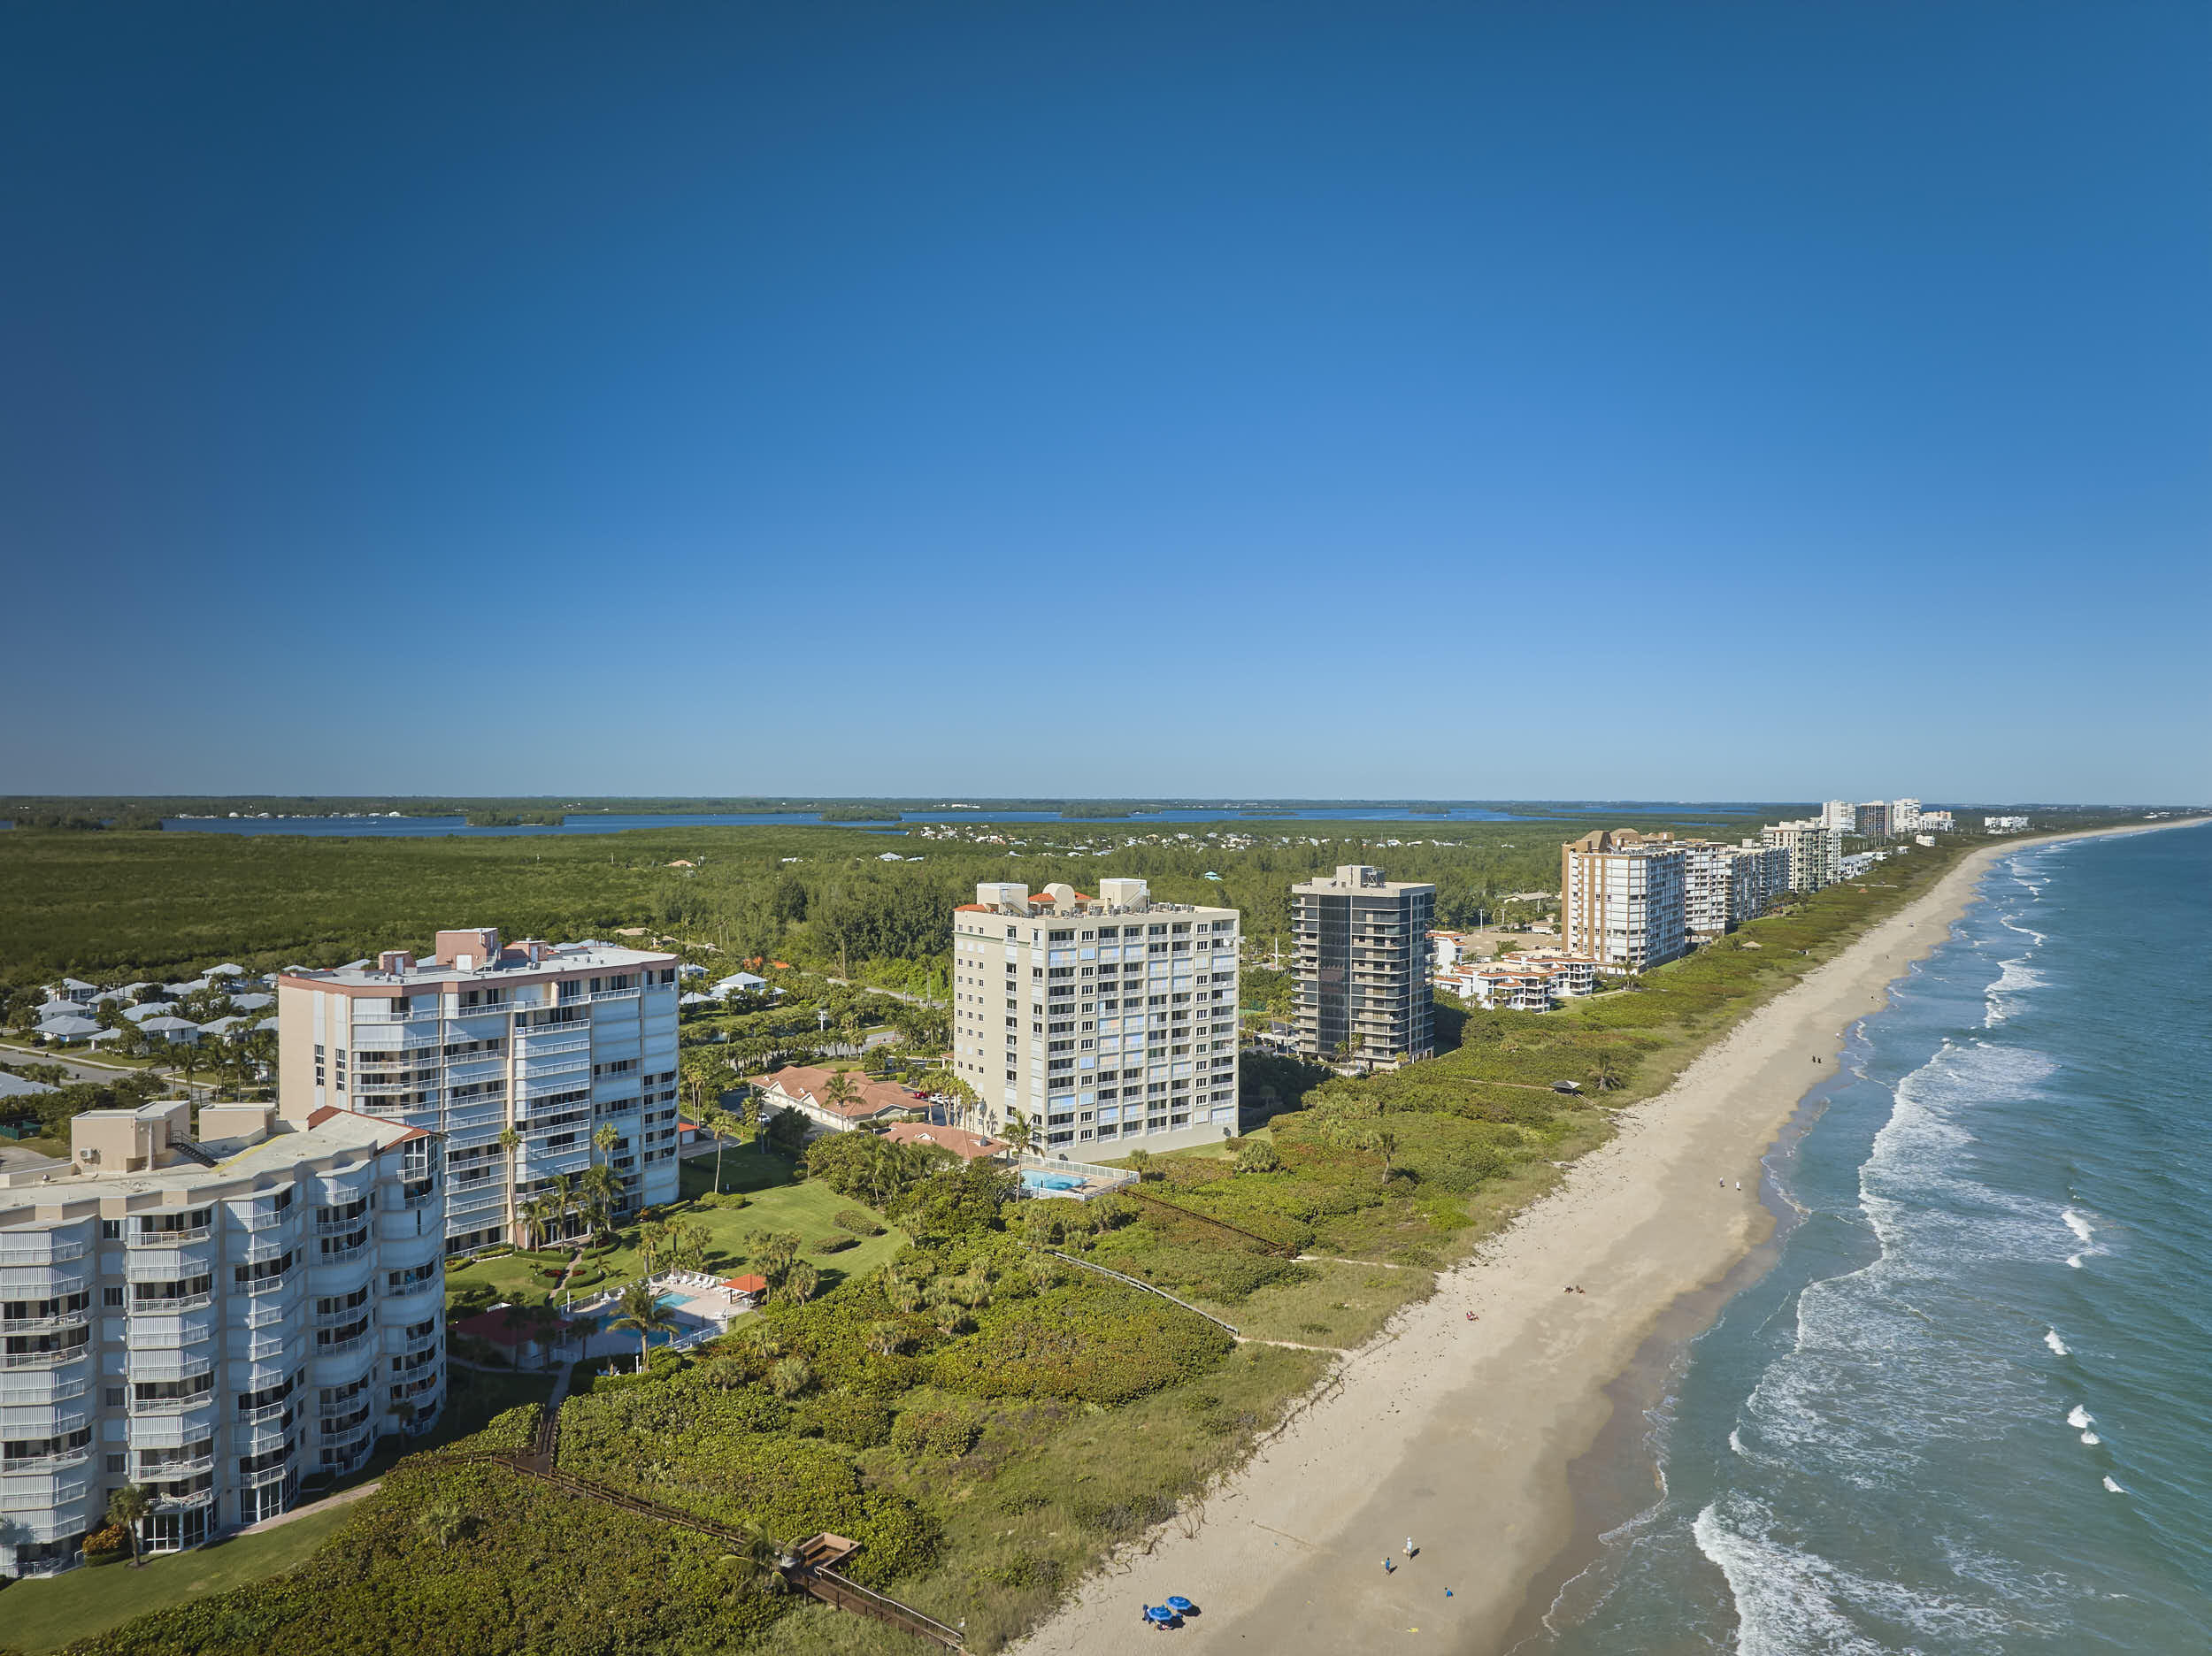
(871, 1098)
(967, 1145)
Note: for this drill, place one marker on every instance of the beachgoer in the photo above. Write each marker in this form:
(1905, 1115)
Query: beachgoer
(1387, 1565)
(1408, 1547)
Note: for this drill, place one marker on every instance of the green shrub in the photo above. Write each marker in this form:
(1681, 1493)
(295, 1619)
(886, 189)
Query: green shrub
(856, 1221)
(1097, 1344)
(847, 1418)
(836, 1245)
(935, 1431)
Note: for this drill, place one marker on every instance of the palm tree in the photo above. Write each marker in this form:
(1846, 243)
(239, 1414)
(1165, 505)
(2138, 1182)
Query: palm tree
(444, 1522)
(1021, 1132)
(641, 1312)
(839, 1092)
(510, 1141)
(718, 1121)
(799, 1284)
(128, 1507)
(652, 1243)
(757, 1559)
(599, 1188)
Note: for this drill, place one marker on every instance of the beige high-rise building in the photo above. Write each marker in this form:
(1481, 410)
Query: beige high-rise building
(1109, 1022)
(1815, 851)
(211, 1317)
(1621, 899)
(1363, 968)
(554, 1041)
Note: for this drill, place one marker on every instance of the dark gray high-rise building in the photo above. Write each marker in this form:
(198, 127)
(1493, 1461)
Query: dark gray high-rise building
(1363, 968)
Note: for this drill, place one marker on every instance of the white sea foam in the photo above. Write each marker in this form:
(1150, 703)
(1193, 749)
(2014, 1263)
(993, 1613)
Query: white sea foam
(2078, 1225)
(2074, 1260)
(2002, 998)
(2091, 1438)
(1790, 1600)
(2081, 1420)
(2115, 1488)
(2059, 1348)
(1735, 1440)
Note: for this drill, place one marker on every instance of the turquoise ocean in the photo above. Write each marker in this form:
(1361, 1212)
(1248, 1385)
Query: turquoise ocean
(1969, 1408)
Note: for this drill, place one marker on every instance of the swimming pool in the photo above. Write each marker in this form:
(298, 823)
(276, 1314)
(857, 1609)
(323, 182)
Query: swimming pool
(1034, 1180)
(674, 1302)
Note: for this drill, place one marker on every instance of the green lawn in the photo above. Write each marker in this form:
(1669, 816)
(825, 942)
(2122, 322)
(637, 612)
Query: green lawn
(776, 1201)
(40, 1615)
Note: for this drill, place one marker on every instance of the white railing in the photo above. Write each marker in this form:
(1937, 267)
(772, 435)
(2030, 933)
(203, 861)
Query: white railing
(58, 1462)
(265, 1477)
(269, 1284)
(57, 1388)
(169, 1471)
(44, 1324)
(62, 1496)
(150, 1369)
(45, 1358)
(150, 1238)
(339, 1227)
(174, 1305)
(338, 1348)
(172, 1405)
(42, 1249)
(265, 1412)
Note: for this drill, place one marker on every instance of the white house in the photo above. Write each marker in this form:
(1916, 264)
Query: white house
(176, 1031)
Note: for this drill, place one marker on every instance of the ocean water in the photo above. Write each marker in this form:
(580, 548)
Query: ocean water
(1968, 1409)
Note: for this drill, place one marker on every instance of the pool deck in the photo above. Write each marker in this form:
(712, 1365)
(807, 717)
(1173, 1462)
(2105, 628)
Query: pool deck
(702, 1312)
(1091, 1180)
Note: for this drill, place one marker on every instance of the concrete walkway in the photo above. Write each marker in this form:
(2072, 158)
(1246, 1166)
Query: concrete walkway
(341, 1499)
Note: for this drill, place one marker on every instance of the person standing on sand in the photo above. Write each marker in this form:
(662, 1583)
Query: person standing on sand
(1408, 1547)
(1387, 1565)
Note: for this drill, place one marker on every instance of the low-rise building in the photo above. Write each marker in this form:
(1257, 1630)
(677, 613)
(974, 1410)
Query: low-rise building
(814, 1093)
(967, 1145)
(2004, 824)
(210, 1318)
(1937, 821)
(1450, 950)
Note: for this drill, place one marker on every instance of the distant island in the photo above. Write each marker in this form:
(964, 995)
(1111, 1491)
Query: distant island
(515, 819)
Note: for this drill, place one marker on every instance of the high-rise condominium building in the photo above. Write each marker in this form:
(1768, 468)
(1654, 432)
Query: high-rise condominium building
(1904, 815)
(1362, 967)
(210, 1319)
(1723, 886)
(1621, 897)
(553, 1040)
(1841, 815)
(1871, 820)
(1103, 1020)
(1815, 851)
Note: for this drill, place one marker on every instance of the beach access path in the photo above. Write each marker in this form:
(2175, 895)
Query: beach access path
(1459, 1434)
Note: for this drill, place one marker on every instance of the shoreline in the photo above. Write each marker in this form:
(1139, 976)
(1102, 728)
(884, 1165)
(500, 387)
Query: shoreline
(1484, 1441)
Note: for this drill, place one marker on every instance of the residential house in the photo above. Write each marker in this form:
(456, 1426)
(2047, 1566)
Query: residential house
(806, 1089)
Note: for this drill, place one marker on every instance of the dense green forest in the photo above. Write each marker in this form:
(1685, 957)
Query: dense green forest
(164, 903)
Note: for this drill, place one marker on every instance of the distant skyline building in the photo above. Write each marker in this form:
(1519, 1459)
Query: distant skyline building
(1841, 815)
(211, 1319)
(553, 1040)
(1622, 899)
(1103, 1020)
(1904, 815)
(1870, 821)
(1362, 967)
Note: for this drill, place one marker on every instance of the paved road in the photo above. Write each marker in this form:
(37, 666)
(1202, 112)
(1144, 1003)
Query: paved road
(896, 994)
(82, 1069)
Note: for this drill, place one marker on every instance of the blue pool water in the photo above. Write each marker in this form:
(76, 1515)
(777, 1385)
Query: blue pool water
(667, 1302)
(1051, 1181)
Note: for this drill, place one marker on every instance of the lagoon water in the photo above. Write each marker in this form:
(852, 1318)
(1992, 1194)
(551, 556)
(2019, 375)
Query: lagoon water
(1968, 1409)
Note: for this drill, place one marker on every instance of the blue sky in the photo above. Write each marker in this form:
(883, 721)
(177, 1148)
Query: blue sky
(1480, 401)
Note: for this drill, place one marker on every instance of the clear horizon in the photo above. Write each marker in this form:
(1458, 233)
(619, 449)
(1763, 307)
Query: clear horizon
(1601, 403)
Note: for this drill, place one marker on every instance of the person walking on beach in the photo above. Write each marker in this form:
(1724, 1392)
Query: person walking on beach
(1408, 1547)
(1387, 1565)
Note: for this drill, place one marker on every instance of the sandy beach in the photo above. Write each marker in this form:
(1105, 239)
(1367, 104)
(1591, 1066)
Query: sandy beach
(1458, 1434)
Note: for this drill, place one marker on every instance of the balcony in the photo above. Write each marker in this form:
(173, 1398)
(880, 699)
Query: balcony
(42, 1388)
(185, 1502)
(68, 1495)
(344, 1251)
(148, 1367)
(180, 1404)
(169, 1471)
(265, 1477)
(40, 1250)
(266, 1412)
(42, 1359)
(339, 1227)
(178, 1237)
(172, 1305)
(44, 1465)
(339, 1347)
(44, 1324)
(269, 1284)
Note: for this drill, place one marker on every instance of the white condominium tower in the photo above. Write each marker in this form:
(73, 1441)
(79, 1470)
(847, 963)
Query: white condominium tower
(1362, 967)
(1815, 851)
(1621, 899)
(209, 1319)
(1841, 815)
(553, 1040)
(1724, 886)
(1103, 1019)
(1904, 815)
